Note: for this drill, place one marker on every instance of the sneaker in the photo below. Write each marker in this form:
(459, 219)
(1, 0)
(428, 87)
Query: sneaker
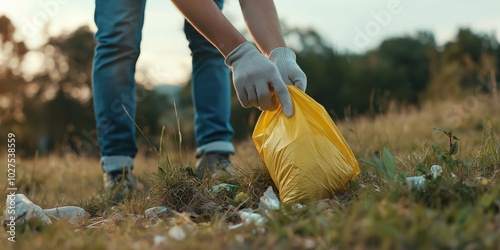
(119, 184)
(216, 165)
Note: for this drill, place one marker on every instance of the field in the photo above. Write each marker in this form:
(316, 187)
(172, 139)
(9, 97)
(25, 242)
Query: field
(377, 212)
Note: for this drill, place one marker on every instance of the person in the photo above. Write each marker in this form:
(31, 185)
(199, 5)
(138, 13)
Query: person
(214, 41)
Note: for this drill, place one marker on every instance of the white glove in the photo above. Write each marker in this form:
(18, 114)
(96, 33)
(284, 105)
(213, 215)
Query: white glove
(253, 74)
(284, 59)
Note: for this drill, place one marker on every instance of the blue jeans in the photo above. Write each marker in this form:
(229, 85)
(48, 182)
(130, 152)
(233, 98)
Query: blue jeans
(118, 38)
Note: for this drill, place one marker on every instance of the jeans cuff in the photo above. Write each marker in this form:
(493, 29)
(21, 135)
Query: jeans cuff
(216, 146)
(116, 163)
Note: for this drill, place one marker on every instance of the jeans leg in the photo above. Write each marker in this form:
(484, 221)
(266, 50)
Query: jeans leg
(118, 38)
(211, 91)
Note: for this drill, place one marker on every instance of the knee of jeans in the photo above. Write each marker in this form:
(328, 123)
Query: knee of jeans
(203, 48)
(118, 44)
(119, 38)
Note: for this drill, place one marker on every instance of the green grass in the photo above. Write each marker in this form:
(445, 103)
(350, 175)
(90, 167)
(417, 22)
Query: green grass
(375, 213)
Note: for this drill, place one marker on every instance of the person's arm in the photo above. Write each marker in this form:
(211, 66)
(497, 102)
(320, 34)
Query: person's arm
(206, 17)
(262, 21)
(253, 73)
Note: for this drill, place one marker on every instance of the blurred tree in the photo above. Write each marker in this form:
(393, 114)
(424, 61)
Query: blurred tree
(325, 69)
(12, 82)
(397, 70)
(476, 53)
(407, 57)
(64, 89)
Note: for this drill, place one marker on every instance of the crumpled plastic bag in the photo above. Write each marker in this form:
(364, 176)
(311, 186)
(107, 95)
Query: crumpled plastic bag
(22, 210)
(74, 215)
(307, 157)
(19, 210)
(269, 201)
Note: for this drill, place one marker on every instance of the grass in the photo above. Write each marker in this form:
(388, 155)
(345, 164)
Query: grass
(375, 213)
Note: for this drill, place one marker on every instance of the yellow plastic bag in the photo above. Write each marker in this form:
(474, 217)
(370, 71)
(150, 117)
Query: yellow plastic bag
(306, 155)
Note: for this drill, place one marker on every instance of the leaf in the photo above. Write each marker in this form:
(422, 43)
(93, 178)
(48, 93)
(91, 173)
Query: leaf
(439, 129)
(456, 138)
(376, 163)
(445, 158)
(389, 163)
(454, 148)
(434, 148)
(448, 133)
(380, 165)
(368, 162)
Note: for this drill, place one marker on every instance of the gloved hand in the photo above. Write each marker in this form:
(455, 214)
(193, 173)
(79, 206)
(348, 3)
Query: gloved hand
(284, 59)
(253, 74)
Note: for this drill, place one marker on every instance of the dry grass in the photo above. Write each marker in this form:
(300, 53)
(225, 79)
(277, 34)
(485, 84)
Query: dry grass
(374, 214)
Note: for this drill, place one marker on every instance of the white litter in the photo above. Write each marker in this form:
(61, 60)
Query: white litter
(269, 201)
(74, 215)
(156, 212)
(249, 218)
(418, 182)
(22, 210)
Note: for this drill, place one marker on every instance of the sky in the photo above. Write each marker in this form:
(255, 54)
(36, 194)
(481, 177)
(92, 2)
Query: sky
(352, 26)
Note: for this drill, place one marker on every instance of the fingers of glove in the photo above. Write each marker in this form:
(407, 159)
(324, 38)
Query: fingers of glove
(292, 74)
(300, 79)
(284, 96)
(243, 97)
(264, 95)
(302, 85)
(252, 96)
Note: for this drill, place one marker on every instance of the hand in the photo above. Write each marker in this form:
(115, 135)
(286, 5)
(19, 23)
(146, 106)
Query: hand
(253, 74)
(284, 59)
